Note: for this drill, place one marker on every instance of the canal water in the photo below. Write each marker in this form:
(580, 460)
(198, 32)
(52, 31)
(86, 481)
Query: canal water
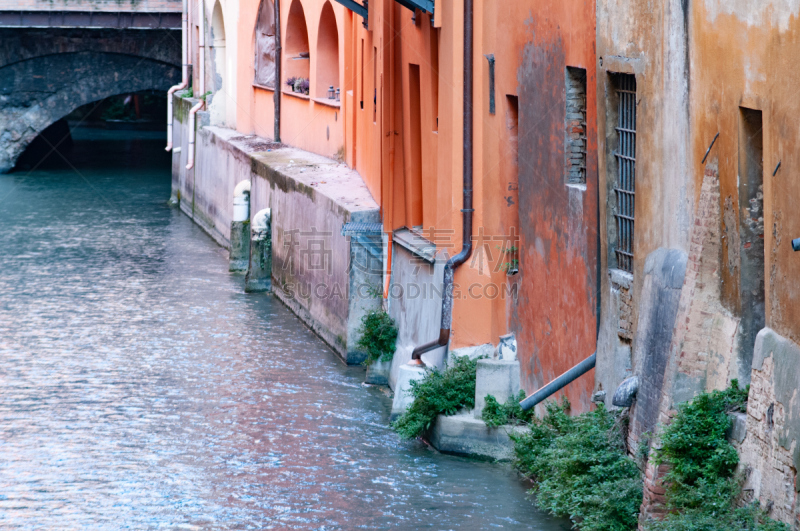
(140, 388)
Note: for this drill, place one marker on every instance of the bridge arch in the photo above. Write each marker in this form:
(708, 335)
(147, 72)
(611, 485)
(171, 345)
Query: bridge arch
(37, 92)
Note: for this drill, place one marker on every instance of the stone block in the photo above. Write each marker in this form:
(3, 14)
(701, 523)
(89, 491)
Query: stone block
(402, 390)
(240, 246)
(473, 353)
(259, 271)
(462, 434)
(738, 429)
(499, 378)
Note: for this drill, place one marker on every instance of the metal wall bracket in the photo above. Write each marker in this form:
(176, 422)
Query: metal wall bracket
(422, 5)
(490, 57)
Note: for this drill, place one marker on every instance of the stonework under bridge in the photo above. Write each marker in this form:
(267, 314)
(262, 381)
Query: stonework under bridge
(48, 72)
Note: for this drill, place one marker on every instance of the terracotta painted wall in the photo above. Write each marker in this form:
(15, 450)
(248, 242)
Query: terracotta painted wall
(555, 317)
(419, 160)
(313, 123)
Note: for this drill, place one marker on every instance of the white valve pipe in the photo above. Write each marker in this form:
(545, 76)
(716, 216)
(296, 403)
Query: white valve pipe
(184, 70)
(201, 82)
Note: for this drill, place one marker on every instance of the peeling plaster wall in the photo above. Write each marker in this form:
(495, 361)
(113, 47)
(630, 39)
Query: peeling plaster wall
(770, 452)
(650, 41)
(698, 65)
(744, 55)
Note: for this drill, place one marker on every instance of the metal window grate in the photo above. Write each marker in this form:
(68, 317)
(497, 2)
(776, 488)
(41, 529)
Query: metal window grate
(626, 170)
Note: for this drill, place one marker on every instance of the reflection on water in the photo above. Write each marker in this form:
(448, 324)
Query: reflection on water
(141, 388)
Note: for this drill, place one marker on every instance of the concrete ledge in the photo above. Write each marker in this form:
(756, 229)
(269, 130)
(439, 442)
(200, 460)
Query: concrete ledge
(315, 269)
(463, 434)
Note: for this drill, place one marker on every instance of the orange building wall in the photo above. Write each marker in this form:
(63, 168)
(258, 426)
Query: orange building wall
(555, 318)
(306, 122)
(396, 78)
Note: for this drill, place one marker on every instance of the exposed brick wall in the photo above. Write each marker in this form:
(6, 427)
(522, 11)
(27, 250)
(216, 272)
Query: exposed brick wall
(706, 330)
(771, 473)
(575, 146)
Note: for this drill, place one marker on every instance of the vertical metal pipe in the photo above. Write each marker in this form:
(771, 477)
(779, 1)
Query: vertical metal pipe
(277, 94)
(467, 210)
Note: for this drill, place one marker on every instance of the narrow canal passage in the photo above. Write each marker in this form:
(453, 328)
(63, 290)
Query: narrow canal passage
(141, 388)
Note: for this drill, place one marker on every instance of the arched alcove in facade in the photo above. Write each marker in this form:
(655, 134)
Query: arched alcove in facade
(327, 51)
(265, 45)
(297, 62)
(217, 106)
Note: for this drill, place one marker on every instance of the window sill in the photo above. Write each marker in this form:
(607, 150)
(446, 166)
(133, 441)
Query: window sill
(620, 278)
(415, 243)
(264, 87)
(296, 95)
(328, 102)
(577, 186)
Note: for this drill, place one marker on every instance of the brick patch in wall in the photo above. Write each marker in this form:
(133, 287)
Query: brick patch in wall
(575, 140)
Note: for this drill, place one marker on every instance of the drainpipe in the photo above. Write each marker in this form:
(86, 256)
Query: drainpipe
(201, 45)
(466, 212)
(277, 94)
(184, 71)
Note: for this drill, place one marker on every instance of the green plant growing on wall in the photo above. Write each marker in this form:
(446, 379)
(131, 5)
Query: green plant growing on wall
(510, 260)
(439, 393)
(702, 487)
(580, 468)
(378, 336)
(496, 414)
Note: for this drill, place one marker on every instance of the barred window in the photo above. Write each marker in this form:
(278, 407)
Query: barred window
(626, 169)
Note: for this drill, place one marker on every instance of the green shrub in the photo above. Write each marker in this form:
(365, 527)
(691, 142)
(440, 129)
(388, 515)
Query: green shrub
(580, 468)
(439, 393)
(701, 485)
(496, 414)
(378, 336)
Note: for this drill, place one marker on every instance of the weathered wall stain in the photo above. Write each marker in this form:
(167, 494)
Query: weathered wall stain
(555, 316)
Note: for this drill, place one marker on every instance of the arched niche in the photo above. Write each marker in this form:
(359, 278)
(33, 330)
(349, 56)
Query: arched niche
(327, 51)
(219, 61)
(298, 57)
(265, 45)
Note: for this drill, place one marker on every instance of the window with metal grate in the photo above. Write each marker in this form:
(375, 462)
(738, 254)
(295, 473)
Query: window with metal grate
(626, 169)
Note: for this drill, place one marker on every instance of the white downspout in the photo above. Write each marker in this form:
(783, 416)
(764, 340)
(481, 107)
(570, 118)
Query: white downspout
(184, 70)
(202, 82)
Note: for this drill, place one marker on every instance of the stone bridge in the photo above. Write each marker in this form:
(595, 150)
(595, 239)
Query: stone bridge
(55, 60)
